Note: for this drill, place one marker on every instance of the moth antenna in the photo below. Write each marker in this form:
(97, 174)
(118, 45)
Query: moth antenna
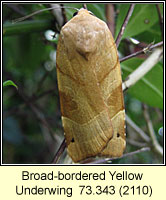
(39, 11)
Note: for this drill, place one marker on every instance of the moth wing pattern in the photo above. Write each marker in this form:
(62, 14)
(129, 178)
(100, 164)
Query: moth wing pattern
(90, 89)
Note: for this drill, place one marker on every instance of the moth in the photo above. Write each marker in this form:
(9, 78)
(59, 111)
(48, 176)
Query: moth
(90, 89)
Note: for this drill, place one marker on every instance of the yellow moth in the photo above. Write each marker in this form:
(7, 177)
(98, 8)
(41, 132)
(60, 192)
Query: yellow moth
(90, 88)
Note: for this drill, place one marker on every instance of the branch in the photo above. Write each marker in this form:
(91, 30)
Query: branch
(106, 160)
(63, 14)
(141, 133)
(32, 99)
(59, 152)
(156, 145)
(136, 143)
(145, 67)
(84, 6)
(15, 9)
(40, 116)
(110, 13)
(57, 13)
(160, 19)
(41, 81)
(144, 50)
(130, 11)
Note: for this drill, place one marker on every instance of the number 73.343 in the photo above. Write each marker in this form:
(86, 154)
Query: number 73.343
(98, 190)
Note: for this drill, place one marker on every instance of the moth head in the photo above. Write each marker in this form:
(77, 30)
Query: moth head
(83, 11)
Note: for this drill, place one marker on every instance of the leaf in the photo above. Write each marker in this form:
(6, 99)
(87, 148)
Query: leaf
(149, 89)
(25, 54)
(143, 18)
(97, 10)
(152, 34)
(9, 82)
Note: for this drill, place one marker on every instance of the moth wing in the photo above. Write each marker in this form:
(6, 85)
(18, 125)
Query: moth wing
(90, 88)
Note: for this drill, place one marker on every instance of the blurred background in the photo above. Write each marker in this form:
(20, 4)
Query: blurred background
(32, 129)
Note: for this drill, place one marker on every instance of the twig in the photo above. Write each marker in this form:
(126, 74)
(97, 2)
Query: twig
(43, 94)
(156, 145)
(106, 160)
(84, 6)
(136, 143)
(141, 133)
(131, 8)
(39, 11)
(159, 114)
(16, 9)
(109, 9)
(39, 115)
(160, 19)
(32, 99)
(144, 50)
(40, 83)
(59, 152)
(57, 13)
(63, 14)
(146, 66)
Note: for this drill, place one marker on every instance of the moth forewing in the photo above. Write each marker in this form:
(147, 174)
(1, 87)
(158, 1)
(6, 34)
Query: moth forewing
(90, 88)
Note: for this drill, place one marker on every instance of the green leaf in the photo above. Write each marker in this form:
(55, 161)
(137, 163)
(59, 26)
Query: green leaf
(143, 18)
(152, 34)
(25, 54)
(149, 89)
(9, 82)
(69, 11)
(26, 27)
(98, 10)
